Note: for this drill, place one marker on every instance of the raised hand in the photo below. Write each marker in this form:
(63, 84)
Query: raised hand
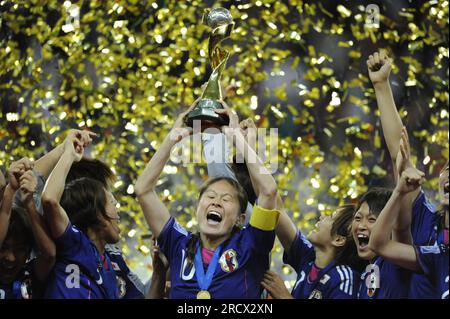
(74, 145)
(85, 137)
(28, 184)
(379, 66)
(232, 115)
(17, 169)
(248, 129)
(404, 153)
(410, 180)
(180, 130)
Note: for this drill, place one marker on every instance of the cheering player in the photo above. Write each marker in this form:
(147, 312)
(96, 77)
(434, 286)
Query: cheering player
(235, 258)
(82, 268)
(325, 262)
(129, 284)
(419, 223)
(431, 260)
(331, 239)
(21, 278)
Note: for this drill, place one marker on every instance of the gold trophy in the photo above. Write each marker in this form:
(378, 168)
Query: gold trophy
(221, 23)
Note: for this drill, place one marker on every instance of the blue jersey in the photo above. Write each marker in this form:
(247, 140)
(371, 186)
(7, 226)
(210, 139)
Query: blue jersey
(26, 286)
(384, 280)
(433, 261)
(129, 285)
(80, 272)
(424, 221)
(243, 261)
(332, 282)
(424, 225)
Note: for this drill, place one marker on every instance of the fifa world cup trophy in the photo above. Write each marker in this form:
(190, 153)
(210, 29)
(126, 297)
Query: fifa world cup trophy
(221, 24)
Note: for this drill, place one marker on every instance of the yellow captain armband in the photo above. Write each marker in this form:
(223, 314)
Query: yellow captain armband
(264, 219)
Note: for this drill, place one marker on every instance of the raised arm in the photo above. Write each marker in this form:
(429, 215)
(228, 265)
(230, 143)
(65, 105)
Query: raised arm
(398, 253)
(155, 212)
(54, 214)
(286, 230)
(379, 67)
(15, 171)
(46, 163)
(45, 246)
(261, 178)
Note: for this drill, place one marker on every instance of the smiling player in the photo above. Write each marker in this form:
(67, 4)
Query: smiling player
(419, 223)
(433, 260)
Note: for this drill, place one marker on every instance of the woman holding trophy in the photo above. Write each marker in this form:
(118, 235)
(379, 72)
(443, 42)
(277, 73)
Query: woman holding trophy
(225, 259)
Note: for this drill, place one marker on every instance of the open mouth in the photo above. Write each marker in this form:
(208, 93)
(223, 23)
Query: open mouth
(363, 241)
(213, 217)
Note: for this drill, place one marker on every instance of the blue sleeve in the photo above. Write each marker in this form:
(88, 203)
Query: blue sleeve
(300, 253)
(426, 256)
(171, 238)
(134, 286)
(260, 241)
(71, 242)
(423, 220)
(346, 284)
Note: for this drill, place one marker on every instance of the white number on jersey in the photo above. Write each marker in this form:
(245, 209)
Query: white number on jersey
(73, 276)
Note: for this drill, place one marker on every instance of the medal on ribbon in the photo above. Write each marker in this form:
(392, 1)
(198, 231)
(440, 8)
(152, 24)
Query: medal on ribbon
(204, 279)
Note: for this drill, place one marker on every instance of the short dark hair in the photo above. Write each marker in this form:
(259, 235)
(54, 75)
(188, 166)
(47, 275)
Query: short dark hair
(92, 168)
(20, 228)
(376, 198)
(84, 200)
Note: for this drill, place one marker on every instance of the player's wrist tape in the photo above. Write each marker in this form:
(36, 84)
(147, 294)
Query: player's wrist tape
(264, 219)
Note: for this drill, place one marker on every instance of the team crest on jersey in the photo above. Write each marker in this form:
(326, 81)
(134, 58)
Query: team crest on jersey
(372, 279)
(228, 261)
(315, 294)
(122, 285)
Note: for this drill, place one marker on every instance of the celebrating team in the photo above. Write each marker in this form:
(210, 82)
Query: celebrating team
(59, 226)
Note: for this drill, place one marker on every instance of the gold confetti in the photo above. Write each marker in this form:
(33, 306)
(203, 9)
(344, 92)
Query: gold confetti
(126, 69)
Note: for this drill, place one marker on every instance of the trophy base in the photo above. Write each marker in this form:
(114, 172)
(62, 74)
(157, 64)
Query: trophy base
(204, 111)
